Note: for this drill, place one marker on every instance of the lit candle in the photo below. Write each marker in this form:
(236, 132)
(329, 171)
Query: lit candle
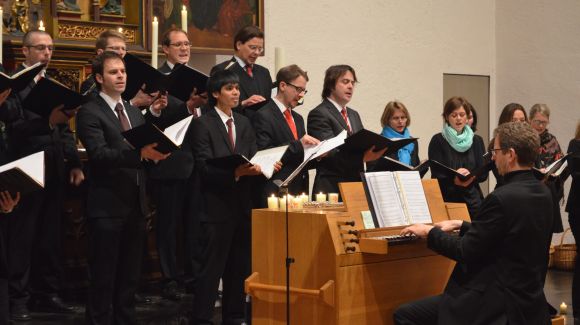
(320, 197)
(282, 202)
(278, 59)
(154, 42)
(1, 31)
(120, 30)
(184, 19)
(297, 203)
(272, 202)
(563, 308)
(41, 26)
(304, 198)
(333, 197)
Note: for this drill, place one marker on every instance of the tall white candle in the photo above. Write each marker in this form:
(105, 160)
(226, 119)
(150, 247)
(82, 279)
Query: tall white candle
(272, 202)
(1, 31)
(154, 42)
(184, 19)
(278, 59)
(41, 26)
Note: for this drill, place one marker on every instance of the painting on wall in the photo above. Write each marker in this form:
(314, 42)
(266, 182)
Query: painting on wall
(212, 24)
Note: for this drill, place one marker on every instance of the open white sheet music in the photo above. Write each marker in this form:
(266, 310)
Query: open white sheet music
(32, 165)
(267, 158)
(313, 152)
(177, 131)
(397, 198)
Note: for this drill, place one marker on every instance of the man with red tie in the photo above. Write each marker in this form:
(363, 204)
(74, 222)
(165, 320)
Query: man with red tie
(255, 80)
(277, 124)
(328, 120)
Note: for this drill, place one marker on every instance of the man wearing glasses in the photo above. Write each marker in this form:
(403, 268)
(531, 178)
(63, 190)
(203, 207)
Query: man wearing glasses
(502, 254)
(255, 80)
(277, 124)
(34, 228)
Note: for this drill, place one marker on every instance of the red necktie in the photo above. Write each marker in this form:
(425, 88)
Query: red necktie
(231, 134)
(288, 116)
(122, 117)
(249, 70)
(345, 117)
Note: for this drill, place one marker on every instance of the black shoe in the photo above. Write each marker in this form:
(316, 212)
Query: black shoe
(170, 291)
(142, 299)
(20, 313)
(54, 305)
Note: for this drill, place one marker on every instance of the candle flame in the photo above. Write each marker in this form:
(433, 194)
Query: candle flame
(155, 19)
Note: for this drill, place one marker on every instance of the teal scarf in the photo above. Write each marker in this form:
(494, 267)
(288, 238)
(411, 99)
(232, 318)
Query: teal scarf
(404, 154)
(460, 142)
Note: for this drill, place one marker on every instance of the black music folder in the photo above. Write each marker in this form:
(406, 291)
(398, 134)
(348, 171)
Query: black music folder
(364, 139)
(179, 83)
(21, 79)
(389, 164)
(148, 133)
(554, 170)
(485, 168)
(48, 94)
(24, 175)
(228, 162)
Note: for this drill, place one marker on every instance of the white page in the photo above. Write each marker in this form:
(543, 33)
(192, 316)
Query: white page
(414, 197)
(312, 152)
(32, 165)
(267, 158)
(561, 169)
(386, 201)
(176, 132)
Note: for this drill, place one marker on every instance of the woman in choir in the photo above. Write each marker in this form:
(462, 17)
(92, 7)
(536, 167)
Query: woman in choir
(573, 209)
(549, 147)
(395, 122)
(458, 148)
(472, 117)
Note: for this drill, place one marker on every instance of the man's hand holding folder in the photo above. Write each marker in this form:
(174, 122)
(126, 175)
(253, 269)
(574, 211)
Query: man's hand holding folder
(372, 155)
(247, 170)
(148, 152)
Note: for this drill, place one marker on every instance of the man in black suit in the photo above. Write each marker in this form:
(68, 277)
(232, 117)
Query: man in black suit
(34, 237)
(502, 255)
(328, 120)
(226, 203)
(116, 195)
(171, 176)
(255, 80)
(114, 41)
(277, 124)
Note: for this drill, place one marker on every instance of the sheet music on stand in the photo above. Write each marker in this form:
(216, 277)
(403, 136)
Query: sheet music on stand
(396, 198)
(313, 152)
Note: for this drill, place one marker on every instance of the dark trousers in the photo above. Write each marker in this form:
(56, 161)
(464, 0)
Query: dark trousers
(4, 298)
(574, 221)
(227, 256)
(420, 312)
(114, 256)
(34, 244)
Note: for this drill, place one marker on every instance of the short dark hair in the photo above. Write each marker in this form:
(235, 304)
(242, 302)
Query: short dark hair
(520, 137)
(99, 63)
(331, 77)
(290, 73)
(166, 38)
(103, 38)
(507, 114)
(454, 103)
(219, 79)
(473, 115)
(247, 33)
(26, 38)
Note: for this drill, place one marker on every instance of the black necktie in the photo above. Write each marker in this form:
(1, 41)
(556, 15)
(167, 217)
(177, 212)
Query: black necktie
(122, 117)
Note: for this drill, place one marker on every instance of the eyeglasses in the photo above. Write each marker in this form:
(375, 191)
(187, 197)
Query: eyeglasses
(492, 151)
(180, 44)
(255, 48)
(41, 47)
(540, 123)
(117, 48)
(300, 90)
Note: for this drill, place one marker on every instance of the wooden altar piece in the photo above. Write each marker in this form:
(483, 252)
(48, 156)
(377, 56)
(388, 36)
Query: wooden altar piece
(332, 280)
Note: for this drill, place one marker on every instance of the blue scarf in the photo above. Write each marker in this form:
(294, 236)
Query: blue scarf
(460, 142)
(405, 152)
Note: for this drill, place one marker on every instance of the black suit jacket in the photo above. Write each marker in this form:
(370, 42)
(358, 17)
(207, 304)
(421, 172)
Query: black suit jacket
(573, 204)
(29, 133)
(272, 130)
(325, 122)
(502, 257)
(223, 198)
(259, 84)
(116, 172)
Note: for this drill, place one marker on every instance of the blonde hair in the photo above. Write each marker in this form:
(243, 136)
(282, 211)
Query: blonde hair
(390, 111)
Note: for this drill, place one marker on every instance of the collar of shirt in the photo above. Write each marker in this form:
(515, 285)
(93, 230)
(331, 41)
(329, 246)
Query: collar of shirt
(338, 107)
(42, 72)
(280, 105)
(170, 65)
(111, 102)
(223, 116)
(241, 62)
